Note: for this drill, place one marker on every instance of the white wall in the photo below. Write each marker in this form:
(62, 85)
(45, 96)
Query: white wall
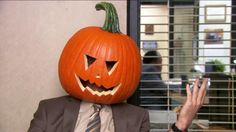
(226, 36)
(33, 34)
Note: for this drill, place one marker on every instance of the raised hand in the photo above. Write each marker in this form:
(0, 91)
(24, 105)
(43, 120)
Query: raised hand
(193, 103)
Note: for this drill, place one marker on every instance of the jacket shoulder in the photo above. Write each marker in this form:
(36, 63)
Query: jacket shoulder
(130, 109)
(56, 99)
(56, 103)
(132, 116)
(130, 106)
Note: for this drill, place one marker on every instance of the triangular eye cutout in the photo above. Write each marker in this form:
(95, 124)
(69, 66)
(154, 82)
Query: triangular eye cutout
(89, 60)
(111, 65)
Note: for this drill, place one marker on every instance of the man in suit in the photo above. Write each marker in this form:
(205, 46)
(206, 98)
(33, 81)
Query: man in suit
(154, 66)
(152, 61)
(61, 114)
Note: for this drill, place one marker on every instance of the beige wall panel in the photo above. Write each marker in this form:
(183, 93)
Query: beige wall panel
(33, 34)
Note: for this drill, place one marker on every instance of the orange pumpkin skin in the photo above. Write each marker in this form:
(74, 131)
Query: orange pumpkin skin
(103, 46)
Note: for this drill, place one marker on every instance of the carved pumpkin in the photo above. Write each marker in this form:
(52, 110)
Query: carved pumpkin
(100, 65)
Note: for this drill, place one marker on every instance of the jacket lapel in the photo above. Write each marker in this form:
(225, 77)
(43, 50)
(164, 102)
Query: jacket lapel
(120, 124)
(71, 112)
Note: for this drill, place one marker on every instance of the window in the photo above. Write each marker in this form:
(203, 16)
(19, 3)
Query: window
(188, 39)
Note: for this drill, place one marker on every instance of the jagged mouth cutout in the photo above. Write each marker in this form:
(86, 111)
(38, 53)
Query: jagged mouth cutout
(94, 89)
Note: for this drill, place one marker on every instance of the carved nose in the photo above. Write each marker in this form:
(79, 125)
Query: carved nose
(98, 76)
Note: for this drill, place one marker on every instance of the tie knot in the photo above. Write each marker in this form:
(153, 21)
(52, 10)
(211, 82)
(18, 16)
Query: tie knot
(97, 107)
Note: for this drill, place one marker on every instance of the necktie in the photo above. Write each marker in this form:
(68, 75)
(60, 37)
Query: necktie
(94, 123)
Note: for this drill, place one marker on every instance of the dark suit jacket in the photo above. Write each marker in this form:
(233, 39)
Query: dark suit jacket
(60, 115)
(154, 81)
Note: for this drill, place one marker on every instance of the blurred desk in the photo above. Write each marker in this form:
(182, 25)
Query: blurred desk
(205, 126)
(160, 119)
(217, 128)
(162, 116)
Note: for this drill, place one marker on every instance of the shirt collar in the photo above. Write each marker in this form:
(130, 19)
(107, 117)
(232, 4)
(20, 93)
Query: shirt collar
(85, 106)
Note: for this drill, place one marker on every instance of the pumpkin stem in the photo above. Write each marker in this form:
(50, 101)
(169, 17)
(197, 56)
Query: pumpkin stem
(112, 21)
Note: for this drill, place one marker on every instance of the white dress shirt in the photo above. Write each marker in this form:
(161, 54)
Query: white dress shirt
(86, 110)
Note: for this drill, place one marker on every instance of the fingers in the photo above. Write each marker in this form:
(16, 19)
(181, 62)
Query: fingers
(198, 95)
(204, 83)
(195, 90)
(202, 91)
(189, 93)
(203, 98)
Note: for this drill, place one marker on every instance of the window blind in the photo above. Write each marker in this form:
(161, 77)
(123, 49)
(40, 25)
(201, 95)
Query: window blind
(193, 39)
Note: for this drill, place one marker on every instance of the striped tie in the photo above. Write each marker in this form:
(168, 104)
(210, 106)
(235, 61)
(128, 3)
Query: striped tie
(94, 123)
